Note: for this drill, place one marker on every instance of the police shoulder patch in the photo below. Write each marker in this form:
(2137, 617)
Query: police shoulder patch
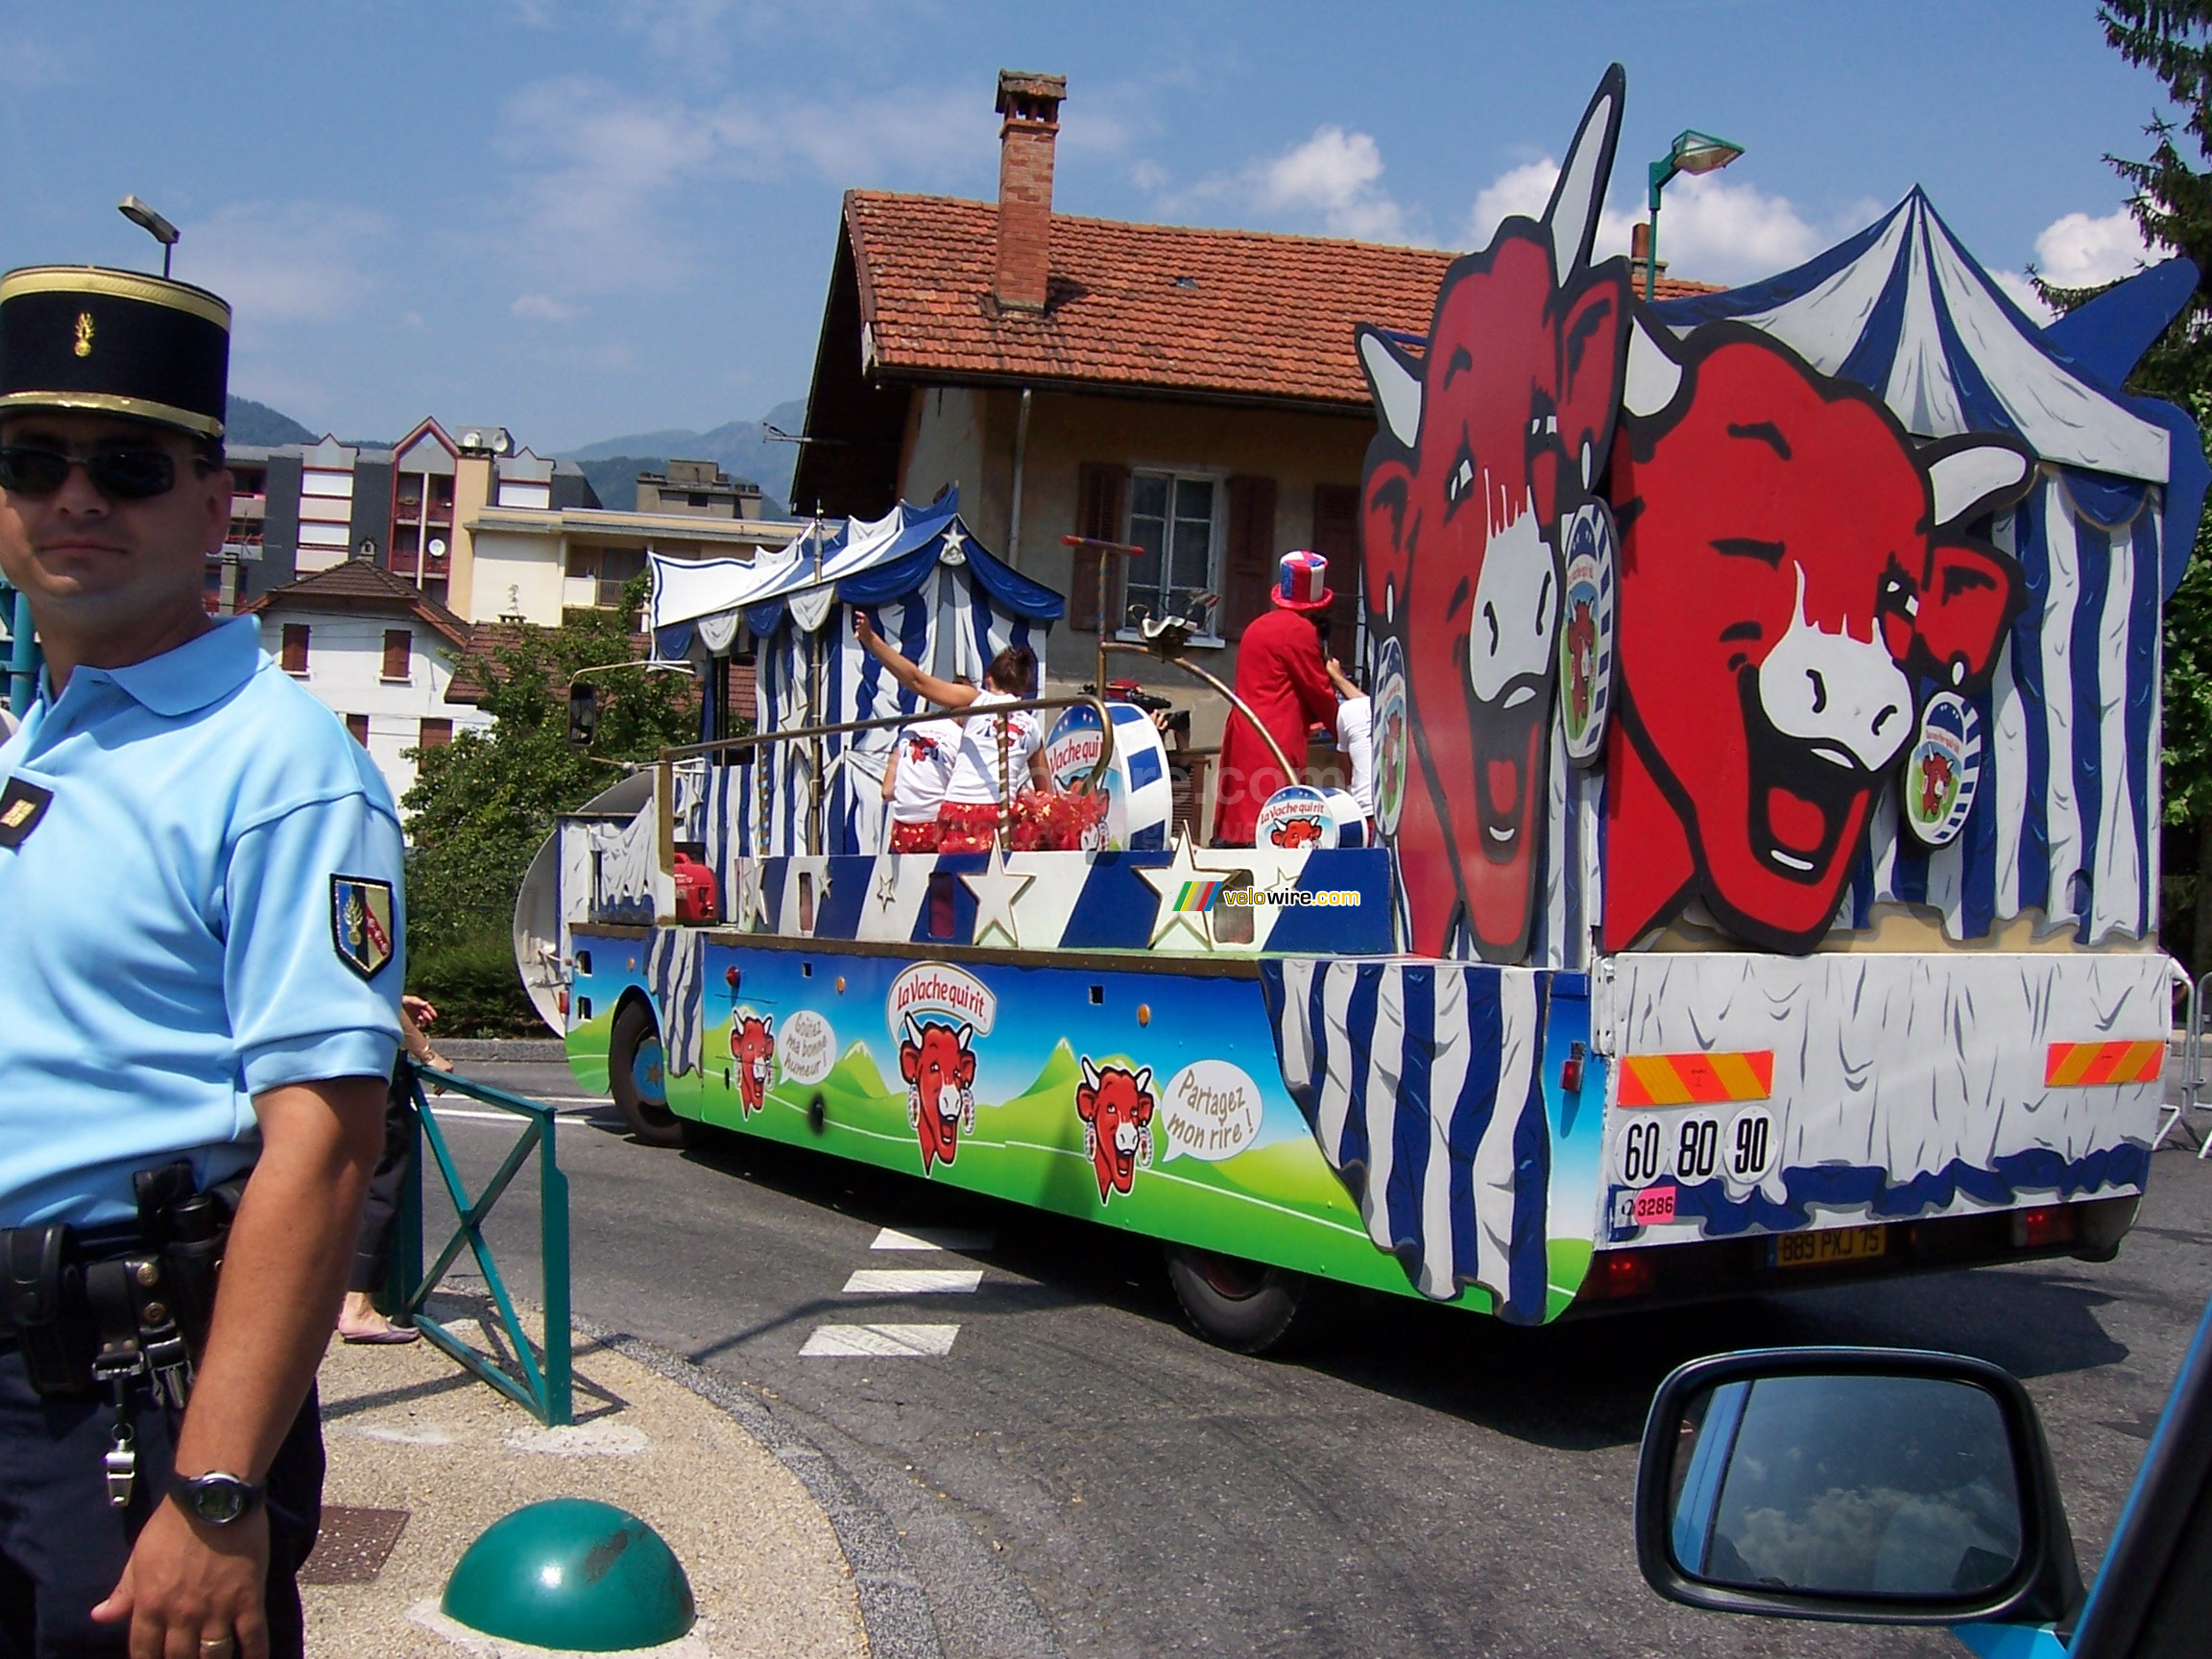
(361, 923)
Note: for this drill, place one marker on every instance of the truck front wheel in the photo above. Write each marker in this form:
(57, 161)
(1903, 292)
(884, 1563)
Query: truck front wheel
(1242, 1306)
(637, 1078)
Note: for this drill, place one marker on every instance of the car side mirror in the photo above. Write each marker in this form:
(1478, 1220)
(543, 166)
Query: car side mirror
(582, 713)
(1873, 1486)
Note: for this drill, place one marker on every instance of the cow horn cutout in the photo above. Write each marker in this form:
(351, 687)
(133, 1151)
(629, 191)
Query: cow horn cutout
(913, 1031)
(1090, 1073)
(768, 1024)
(1396, 386)
(1653, 376)
(1571, 217)
(1973, 477)
(962, 1032)
(1144, 1080)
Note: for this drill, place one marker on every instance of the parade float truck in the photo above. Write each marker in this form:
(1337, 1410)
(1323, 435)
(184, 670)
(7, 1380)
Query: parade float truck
(1765, 886)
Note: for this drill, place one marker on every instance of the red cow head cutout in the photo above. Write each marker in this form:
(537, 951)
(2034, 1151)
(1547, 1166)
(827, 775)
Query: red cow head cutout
(1487, 442)
(1296, 832)
(1116, 1106)
(1792, 568)
(753, 1054)
(940, 1072)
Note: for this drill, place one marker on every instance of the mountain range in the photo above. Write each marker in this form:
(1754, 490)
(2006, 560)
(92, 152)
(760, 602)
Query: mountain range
(741, 448)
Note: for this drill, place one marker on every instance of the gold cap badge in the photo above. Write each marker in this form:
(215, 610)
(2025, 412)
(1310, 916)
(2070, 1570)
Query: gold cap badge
(83, 334)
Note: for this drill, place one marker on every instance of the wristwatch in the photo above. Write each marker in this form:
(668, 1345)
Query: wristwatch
(215, 1498)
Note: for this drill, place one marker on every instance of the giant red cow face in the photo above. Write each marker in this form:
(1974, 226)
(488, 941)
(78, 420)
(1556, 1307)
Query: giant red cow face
(1791, 570)
(753, 1056)
(1487, 442)
(1116, 1106)
(940, 1070)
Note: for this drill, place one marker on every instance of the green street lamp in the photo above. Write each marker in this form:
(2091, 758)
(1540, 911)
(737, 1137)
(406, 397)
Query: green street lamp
(1691, 152)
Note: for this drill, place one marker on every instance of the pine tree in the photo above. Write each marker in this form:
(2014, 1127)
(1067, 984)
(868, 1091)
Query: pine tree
(2172, 200)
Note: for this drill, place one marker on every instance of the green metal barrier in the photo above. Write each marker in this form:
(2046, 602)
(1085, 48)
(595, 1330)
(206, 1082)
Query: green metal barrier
(543, 1388)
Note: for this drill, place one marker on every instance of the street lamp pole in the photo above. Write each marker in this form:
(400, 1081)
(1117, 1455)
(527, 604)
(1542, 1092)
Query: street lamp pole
(153, 224)
(1691, 152)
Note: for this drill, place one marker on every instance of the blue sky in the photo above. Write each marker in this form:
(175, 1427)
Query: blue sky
(587, 217)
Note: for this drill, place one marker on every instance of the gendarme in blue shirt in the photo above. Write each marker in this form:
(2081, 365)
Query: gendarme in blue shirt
(168, 947)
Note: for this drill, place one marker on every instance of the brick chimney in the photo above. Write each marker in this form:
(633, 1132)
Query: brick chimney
(1031, 107)
(1639, 255)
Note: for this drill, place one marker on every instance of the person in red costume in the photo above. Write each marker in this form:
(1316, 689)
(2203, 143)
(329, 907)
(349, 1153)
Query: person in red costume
(1282, 679)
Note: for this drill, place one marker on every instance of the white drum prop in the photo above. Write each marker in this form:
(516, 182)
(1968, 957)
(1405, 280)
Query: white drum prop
(1139, 798)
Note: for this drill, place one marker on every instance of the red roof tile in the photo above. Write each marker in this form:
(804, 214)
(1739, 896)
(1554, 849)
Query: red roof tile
(359, 583)
(1236, 313)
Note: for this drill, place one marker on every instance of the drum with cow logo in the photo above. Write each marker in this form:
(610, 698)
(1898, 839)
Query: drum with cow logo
(1350, 821)
(1393, 739)
(1140, 796)
(1295, 818)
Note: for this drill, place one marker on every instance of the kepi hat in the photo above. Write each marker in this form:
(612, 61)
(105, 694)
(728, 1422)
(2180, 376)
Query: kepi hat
(1302, 582)
(84, 339)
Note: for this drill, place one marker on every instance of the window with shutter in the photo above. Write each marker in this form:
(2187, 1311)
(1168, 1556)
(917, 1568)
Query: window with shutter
(1101, 488)
(295, 647)
(1337, 539)
(399, 653)
(358, 725)
(435, 735)
(1249, 570)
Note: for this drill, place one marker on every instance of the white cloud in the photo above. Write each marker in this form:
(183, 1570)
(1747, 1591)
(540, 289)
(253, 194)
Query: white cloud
(543, 308)
(280, 263)
(1336, 174)
(613, 193)
(1711, 228)
(2079, 251)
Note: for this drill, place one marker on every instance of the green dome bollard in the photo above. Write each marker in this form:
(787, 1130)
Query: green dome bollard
(571, 1573)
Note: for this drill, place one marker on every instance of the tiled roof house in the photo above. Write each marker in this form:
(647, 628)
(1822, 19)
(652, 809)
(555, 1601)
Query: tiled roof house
(1191, 391)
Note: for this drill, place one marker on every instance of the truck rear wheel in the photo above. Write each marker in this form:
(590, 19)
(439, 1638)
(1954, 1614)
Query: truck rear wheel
(1242, 1306)
(637, 1078)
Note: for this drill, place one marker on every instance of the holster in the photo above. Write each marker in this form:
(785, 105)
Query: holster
(47, 1311)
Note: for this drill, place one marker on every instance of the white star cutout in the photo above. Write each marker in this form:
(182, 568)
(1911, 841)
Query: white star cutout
(1168, 883)
(751, 911)
(886, 890)
(955, 542)
(997, 891)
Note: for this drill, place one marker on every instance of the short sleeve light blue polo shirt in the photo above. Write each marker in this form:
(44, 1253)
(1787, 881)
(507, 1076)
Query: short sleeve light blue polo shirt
(199, 901)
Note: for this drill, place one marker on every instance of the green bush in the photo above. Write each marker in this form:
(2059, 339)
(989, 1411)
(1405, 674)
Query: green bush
(474, 985)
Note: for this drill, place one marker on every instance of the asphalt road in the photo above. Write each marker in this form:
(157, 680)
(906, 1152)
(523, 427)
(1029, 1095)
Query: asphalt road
(1079, 1474)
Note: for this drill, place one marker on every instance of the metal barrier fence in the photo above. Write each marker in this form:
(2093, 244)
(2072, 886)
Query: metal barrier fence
(544, 1387)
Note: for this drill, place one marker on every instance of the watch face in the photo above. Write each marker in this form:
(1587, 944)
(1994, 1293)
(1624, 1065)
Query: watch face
(218, 1500)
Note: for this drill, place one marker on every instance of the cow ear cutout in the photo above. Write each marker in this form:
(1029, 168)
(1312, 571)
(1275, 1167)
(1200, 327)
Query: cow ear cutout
(1396, 382)
(1970, 476)
(1571, 215)
(1653, 376)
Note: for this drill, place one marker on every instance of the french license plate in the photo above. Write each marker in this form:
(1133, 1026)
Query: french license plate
(1828, 1245)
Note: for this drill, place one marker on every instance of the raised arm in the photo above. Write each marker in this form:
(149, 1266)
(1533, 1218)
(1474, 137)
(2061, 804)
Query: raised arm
(1337, 678)
(944, 693)
(891, 769)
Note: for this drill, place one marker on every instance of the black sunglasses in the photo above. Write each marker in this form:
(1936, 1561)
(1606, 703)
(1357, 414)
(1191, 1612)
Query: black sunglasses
(121, 474)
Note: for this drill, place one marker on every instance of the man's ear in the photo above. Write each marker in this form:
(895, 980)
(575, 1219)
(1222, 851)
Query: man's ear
(220, 486)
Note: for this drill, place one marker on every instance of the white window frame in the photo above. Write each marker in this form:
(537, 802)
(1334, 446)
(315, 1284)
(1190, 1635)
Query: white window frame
(1218, 540)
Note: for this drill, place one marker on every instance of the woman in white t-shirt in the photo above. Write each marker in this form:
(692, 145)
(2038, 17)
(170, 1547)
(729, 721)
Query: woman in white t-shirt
(914, 781)
(1356, 736)
(967, 820)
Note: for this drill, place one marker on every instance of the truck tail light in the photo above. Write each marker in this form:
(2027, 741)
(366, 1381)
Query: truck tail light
(2051, 1224)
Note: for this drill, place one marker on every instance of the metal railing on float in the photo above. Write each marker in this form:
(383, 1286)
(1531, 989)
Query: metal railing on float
(545, 1387)
(736, 749)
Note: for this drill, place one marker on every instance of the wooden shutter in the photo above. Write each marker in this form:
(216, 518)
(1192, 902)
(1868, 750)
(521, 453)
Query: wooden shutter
(399, 653)
(1100, 490)
(1337, 539)
(295, 647)
(1249, 569)
(358, 725)
(435, 735)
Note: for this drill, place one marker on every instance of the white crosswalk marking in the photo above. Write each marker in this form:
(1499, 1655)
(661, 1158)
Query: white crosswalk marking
(954, 1239)
(914, 1282)
(880, 1343)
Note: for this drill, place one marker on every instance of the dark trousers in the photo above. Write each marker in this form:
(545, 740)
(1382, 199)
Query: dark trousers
(61, 1546)
(380, 1207)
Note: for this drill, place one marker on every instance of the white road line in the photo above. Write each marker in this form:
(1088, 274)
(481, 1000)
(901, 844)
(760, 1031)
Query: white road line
(880, 1343)
(914, 1282)
(952, 1238)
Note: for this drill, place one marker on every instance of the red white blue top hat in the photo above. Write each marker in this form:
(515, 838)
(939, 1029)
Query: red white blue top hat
(1303, 583)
